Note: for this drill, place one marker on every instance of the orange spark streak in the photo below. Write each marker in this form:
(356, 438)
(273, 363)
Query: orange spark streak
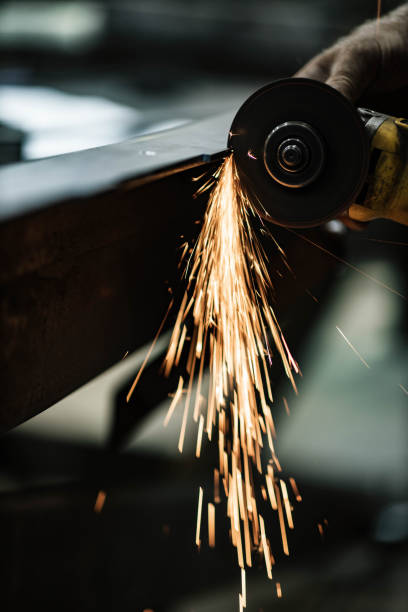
(243, 587)
(181, 344)
(174, 402)
(355, 351)
(186, 408)
(314, 298)
(217, 498)
(199, 511)
(183, 253)
(200, 435)
(265, 548)
(271, 490)
(228, 298)
(295, 489)
(393, 242)
(211, 525)
(281, 522)
(278, 589)
(149, 352)
(349, 265)
(100, 501)
(287, 504)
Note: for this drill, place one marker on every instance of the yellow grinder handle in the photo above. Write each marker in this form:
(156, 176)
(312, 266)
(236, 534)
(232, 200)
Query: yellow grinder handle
(387, 193)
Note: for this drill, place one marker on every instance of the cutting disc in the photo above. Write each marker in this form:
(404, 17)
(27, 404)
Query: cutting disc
(301, 151)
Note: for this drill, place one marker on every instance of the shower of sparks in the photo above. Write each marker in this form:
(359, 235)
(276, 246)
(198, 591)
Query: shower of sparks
(353, 348)
(217, 497)
(235, 330)
(232, 331)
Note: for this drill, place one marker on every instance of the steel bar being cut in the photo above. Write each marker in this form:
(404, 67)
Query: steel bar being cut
(80, 250)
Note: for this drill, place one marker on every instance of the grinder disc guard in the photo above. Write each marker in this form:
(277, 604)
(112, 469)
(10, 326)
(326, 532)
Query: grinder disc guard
(301, 151)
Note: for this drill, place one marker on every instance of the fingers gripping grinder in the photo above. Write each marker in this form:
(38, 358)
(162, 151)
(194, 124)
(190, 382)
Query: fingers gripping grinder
(305, 154)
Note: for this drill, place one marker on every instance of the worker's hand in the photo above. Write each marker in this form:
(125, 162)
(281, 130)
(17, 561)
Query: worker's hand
(372, 59)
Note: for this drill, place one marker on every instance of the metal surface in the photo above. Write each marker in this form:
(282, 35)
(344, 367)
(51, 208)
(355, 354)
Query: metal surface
(322, 129)
(87, 243)
(28, 187)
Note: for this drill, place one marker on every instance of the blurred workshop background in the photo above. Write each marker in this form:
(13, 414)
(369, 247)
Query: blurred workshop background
(76, 75)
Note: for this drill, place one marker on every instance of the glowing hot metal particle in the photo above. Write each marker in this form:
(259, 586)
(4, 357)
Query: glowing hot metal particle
(243, 588)
(217, 498)
(355, 351)
(211, 525)
(295, 489)
(174, 403)
(265, 547)
(100, 501)
(199, 512)
(287, 504)
(200, 436)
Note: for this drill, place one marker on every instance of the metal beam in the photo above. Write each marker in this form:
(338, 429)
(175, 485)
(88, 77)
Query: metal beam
(87, 243)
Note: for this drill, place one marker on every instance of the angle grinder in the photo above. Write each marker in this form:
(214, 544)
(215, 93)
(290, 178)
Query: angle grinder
(306, 155)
